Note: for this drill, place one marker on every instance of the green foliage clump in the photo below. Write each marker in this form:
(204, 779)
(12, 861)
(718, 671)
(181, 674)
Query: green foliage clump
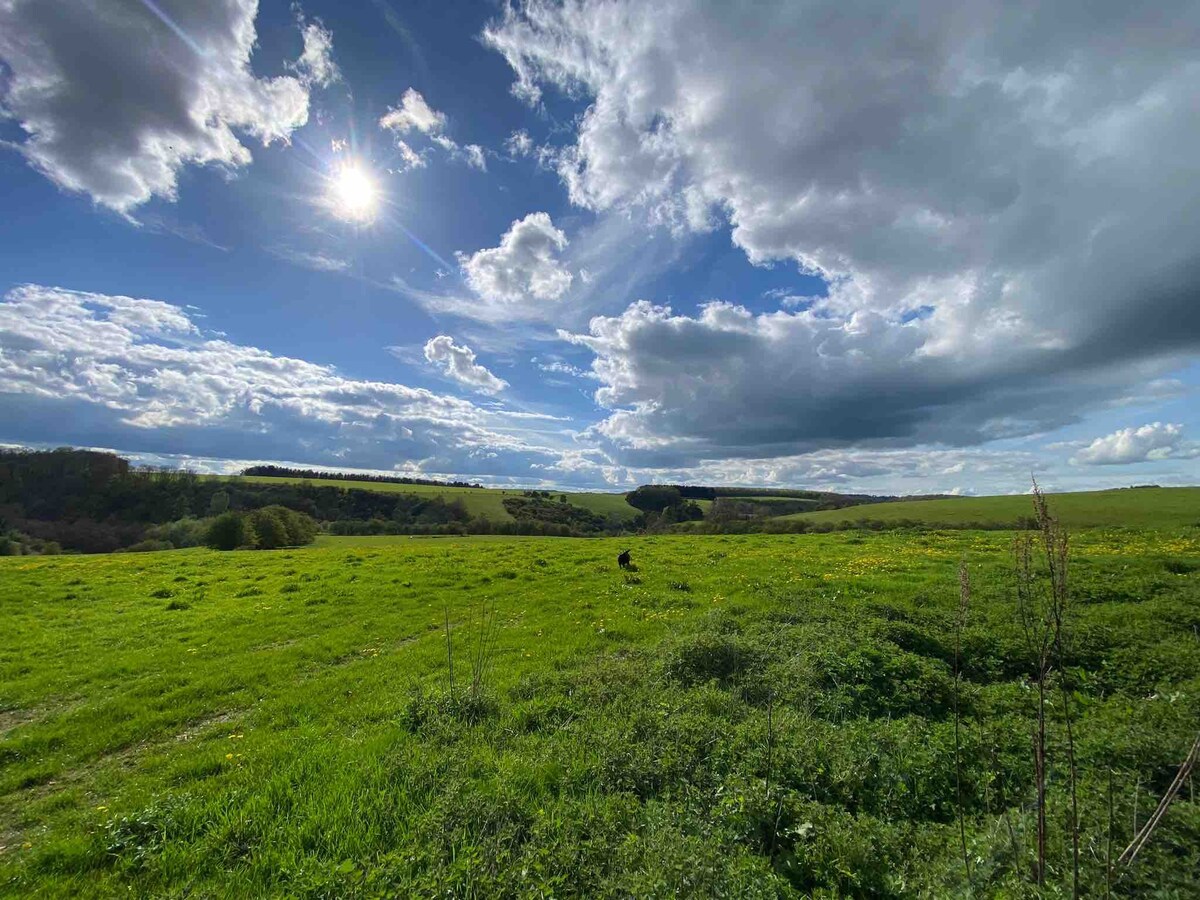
(231, 531)
(269, 528)
(538, 507)
(654, 497)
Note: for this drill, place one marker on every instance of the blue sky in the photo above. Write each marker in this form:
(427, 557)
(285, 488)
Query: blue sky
(604, 243)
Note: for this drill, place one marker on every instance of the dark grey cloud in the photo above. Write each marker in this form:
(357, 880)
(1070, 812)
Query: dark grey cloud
(1024, 174)
(728, 384)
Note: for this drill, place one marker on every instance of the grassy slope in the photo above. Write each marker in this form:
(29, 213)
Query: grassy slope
(279, 730)
(488, 502)
(1141, 507)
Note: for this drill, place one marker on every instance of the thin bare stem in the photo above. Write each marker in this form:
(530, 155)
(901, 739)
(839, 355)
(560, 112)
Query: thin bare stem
(1140, 839)
(1055, 543)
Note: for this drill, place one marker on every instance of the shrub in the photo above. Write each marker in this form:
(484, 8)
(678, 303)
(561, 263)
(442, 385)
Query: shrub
(268, 528)
(271, 527)
(231, 531)
(186, 532)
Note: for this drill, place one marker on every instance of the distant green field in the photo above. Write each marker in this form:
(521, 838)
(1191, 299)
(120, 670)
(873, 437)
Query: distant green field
(485, 502)
(1135, 507)
(754, 716)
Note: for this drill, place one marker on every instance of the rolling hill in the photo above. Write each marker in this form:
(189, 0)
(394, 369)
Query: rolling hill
(486, 502)
(1140, 507)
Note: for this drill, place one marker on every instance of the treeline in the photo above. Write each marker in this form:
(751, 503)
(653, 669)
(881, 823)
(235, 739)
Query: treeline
(537, 506)
(782, 501)
(97, 503)
(314, 475)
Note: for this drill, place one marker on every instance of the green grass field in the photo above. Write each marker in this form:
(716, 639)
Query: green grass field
(1138, 507)
(191, 723)
(485, 502)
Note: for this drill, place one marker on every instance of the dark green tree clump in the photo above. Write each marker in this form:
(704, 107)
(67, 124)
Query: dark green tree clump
(538, 506)
(663, 505)
(268, 528)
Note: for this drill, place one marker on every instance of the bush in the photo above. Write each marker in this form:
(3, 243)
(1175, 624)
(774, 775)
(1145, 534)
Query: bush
(188, 532)
(231, 531)
(270, 526)
(297, 528)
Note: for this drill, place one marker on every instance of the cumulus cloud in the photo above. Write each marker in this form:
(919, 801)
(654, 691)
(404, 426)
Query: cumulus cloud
(116, 98)
(730, 383)
(1155, 441)
(129, 372)
(1014, 178)
(414, 114)
(458, 362)
(525, 267)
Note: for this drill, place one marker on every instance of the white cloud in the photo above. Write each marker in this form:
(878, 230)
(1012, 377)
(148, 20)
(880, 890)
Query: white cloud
(413, 114)
(1155, 441)
(458, 362)
(409, 158)
(321, 262)
(524, 268)
(474, 156)
(559, 367)
(1021, 174)
(115, 99)
(315, 65)
(122, 371)
(519, 143)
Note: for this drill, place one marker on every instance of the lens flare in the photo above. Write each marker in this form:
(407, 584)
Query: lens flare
(353, 194)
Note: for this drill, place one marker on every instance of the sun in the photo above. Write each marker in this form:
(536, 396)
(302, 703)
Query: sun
(353, 194)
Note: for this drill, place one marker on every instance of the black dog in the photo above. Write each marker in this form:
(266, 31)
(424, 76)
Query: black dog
(623, 560)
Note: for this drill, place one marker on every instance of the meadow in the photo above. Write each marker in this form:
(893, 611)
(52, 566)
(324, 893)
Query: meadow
(743, 716)
(1146, 507)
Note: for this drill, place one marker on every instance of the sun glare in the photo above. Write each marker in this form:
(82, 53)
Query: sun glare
(353, 194)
